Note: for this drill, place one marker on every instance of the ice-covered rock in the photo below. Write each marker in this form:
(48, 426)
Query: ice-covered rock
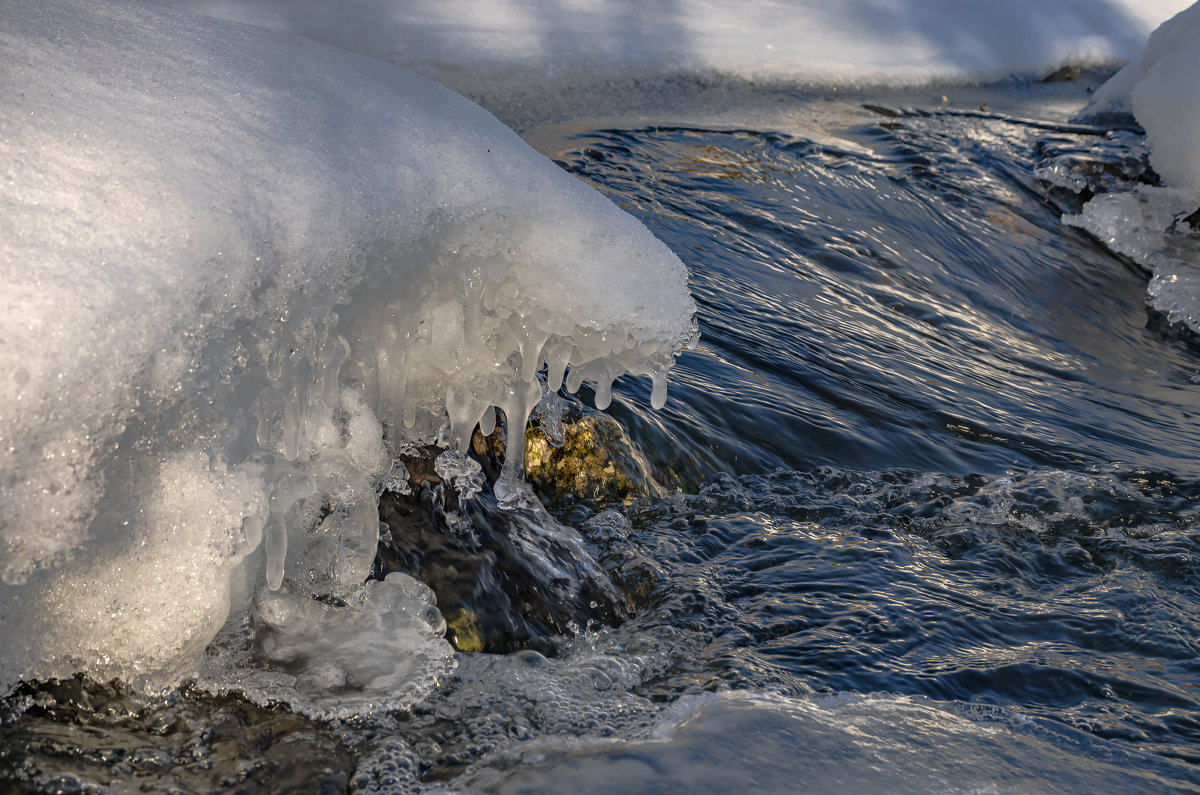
(1161, 91)
(242, 268)
(1154, 225)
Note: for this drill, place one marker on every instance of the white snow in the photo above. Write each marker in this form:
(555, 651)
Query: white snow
(1166, 100)
(493, 50)
(1160, 88)
(235, 262)
(1148, 223)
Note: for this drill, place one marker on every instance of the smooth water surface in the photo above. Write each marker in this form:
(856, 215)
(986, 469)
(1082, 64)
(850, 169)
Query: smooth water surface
(908, 299)
(937, 528)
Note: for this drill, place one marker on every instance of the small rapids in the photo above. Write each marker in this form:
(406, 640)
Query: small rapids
(922, 512)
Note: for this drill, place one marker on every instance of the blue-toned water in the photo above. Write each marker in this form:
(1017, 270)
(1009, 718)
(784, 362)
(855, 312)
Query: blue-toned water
(929, 524)
(915, 302)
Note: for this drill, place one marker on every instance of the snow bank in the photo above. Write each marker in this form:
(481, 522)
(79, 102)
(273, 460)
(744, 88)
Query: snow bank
(1151, 224)
(241, 271)
(494, 50)
(1160, 90)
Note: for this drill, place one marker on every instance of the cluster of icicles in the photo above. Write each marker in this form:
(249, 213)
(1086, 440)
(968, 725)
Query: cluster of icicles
(412, 372)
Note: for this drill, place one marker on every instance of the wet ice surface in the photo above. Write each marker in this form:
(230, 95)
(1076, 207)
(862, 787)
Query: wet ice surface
(975, 570)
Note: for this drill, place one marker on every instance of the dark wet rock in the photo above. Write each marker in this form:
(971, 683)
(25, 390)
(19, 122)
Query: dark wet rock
(1193, 220)
(75, 735)
(505, 578)
(512, 578)
(1064, 74)
(1076, 168)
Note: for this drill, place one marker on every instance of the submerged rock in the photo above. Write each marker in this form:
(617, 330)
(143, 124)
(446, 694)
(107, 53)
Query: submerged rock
(505, 578)
(513, 577)
(595, 462)
(78, 735)
(575, 454)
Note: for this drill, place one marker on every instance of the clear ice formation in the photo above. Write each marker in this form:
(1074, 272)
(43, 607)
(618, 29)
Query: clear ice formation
(242, 271)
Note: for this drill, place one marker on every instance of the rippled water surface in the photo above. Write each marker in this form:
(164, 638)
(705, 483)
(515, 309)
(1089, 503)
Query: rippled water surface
(910, 298)
(929, 524)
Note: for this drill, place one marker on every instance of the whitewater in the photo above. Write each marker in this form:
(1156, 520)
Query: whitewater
(260, 258)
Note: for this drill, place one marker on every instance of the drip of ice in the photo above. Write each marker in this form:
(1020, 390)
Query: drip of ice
(549, 416)
(243, 273)
(1150, 224)
(396, 480)
(461, 471)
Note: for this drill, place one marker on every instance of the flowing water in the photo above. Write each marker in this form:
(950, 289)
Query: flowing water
(930, 517)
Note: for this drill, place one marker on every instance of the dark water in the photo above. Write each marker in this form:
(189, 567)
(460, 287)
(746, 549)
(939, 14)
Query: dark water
(920, 305)
(937, 528)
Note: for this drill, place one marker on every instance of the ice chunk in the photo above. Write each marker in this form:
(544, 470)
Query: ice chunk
(1134, 222)
(460, 470)
(242, 271)
(382, 650)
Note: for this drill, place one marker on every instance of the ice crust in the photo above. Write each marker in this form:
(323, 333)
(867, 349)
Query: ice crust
(1149, 224)
(242, 270)
(383, 649)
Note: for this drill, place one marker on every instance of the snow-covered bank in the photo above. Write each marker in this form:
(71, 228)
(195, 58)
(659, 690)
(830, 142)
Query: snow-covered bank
(504, 51)
(1155, 225)
(233, 259)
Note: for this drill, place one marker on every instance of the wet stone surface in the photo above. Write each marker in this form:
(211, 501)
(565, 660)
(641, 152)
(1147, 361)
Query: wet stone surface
(107, 736)
(505, 578)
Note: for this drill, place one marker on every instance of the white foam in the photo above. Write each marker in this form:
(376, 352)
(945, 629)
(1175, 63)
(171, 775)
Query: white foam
(235, 264)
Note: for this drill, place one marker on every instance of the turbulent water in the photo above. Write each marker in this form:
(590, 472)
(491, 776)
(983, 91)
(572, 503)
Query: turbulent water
(930, 524)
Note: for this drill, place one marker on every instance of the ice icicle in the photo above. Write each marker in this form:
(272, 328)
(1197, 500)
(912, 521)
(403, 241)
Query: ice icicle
(517, 404)
(487, 423)
(290, 488)
(337, 352)
(557, 356)
(576, 376)
(604, 391)
(658, 390)
(530, 340)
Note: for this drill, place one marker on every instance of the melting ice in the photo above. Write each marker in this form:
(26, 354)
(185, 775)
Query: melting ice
(242, 271)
